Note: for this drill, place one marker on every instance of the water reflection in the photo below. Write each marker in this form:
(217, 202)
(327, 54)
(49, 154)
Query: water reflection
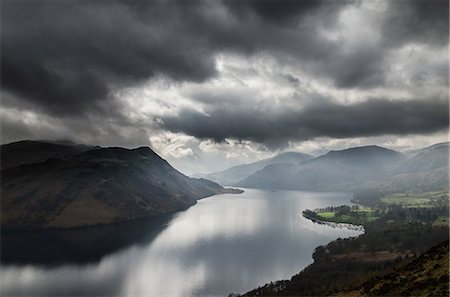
(226, 243)
(77, 246)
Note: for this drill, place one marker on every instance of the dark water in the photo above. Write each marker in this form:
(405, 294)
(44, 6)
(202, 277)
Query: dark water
(224, 244)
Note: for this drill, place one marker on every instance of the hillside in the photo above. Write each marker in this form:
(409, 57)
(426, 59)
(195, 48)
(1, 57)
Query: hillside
(427, 159)
(336, 170)
(380, 262)
(235, 174)
(369, 167)
(428, 275)
(367, 274)
(99, 186)
(425, 171)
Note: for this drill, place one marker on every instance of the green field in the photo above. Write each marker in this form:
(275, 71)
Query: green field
(427, 199)
(327, 215)
(362, 216)
(358, 217)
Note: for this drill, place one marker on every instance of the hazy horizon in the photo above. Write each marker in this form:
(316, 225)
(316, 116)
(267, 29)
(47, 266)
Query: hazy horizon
(314, 154)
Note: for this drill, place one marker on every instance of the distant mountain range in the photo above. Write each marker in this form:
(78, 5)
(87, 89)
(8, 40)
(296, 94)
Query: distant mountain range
(369, 167)
(359, 168)
(62, 185)
(235, 174)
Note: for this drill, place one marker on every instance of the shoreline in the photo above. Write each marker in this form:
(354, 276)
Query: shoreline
(359, 264)
(335, 224)
(7, 229)
(320, 222)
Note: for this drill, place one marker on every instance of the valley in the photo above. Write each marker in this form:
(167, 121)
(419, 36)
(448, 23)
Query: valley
(72, 186)
(212, 148)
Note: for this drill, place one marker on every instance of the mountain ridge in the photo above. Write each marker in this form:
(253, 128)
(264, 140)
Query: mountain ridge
(236, 173)
(98, 186)
(351, 169)
(30, 151)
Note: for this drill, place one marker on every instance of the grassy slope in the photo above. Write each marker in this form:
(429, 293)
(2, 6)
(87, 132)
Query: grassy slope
(427, 199)
(428, 275)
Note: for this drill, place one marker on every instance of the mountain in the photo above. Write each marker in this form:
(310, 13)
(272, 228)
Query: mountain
(426, 170)
(235, 174)
(413, 153)
(369, 167)
(429, 158)
(336, 170)
(29, 151)
(98, 186)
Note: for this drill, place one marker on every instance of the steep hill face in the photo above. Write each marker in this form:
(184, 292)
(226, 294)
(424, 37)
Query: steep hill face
(99, 186)
(336, 170)
(235, 174)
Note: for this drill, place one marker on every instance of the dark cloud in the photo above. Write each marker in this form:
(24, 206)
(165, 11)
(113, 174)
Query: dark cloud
(280, 12)
(72, 92)
(66, 59)
(323, 119)
(362, 66)
(424, 21)
(67, 56)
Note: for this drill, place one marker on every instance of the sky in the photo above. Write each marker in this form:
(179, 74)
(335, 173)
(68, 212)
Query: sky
(210, 84)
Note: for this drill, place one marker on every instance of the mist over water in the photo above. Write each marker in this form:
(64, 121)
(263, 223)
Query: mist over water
(223, 244)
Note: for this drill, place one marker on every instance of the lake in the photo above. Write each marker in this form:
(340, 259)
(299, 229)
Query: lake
(223, 244)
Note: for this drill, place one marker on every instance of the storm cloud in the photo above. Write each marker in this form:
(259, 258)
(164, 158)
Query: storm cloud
(68, 56)
(279, 12)
(416, 21)
(270, 72)
(326, 119)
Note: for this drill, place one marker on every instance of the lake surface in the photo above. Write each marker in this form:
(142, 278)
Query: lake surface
(223, 244)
